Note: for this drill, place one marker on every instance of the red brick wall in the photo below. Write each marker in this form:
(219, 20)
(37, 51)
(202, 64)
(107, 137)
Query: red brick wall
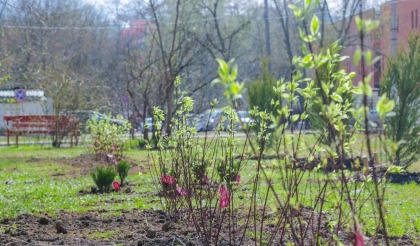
(351, 46)
(407, 23)
(135, 33)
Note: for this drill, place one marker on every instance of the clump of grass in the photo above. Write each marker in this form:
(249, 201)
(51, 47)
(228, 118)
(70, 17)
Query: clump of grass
(122, 168)
(103, 177)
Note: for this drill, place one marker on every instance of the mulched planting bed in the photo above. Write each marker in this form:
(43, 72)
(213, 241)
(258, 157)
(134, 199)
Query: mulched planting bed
(103, 227)
(85, 163)
(403, 178)
(97, 228)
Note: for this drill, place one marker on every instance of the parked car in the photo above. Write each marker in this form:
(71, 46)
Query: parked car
(244, 116)
(215, 118)
(200, 126)
(196, 121)
(211, 119)
(149, 123)
(85, 115)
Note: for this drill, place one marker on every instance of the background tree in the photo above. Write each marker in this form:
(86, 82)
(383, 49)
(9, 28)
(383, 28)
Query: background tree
(62, 86)
(260, 91)
(402, 83)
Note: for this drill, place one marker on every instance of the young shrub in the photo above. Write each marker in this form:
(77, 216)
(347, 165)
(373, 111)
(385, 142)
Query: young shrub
(261, 93)
(108, 137)
(122, 168)
(142, 143)
(131, 144)
(103, 177)
(228, 173)
(199, 170)
(401, 83)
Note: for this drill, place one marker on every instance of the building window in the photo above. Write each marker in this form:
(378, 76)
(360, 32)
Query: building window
(412, 19)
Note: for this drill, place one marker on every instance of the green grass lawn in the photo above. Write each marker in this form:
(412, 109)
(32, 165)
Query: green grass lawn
(40, 190)
(37, 190)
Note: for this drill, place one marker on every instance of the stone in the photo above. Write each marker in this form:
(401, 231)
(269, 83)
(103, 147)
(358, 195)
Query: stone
(85, 218)
(60, 229)
(150, 233)
(165, 227)
(44, 221)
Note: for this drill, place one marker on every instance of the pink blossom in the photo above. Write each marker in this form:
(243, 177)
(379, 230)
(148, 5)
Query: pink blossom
(359, 239)
(238, 178)
(181, 191)
(115, 147)
(116, 185)
(224, 198)
(115, 161)
(206, 179)
(110, 156)
(168, 179)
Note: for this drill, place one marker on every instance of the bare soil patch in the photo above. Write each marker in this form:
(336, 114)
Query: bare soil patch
(97, 228)
(133, 227)
(84, 164)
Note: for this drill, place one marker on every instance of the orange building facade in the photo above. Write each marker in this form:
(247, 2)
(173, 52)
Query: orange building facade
(380, 40)
(135, 34)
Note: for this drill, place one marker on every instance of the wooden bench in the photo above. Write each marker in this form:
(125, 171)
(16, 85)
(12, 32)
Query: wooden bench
(42, 124)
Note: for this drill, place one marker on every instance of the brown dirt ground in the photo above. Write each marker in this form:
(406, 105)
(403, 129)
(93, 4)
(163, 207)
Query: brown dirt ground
(84, 164)
(127, 228)
(97, 228)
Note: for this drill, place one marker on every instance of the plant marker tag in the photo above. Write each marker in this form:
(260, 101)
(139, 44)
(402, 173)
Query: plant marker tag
(359, 239)
(224, 198)
(238, 178)
(116, 185)
(181, 191)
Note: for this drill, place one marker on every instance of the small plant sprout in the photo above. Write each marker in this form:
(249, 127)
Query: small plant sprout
(122, 168)
(103, 177)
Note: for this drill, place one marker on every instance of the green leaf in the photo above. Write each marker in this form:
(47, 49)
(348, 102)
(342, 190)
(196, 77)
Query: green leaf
(341, 89)
(295, 117)
(368, 56)
(359, 23)
(310, 159)
(357, 91)
(337, 98)
(234, 71)
(395, 169)
(223, 67)
(314, 25)
(304, 49)
(356, 57)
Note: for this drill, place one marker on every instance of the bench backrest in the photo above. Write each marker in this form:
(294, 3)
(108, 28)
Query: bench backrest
(42, 122)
